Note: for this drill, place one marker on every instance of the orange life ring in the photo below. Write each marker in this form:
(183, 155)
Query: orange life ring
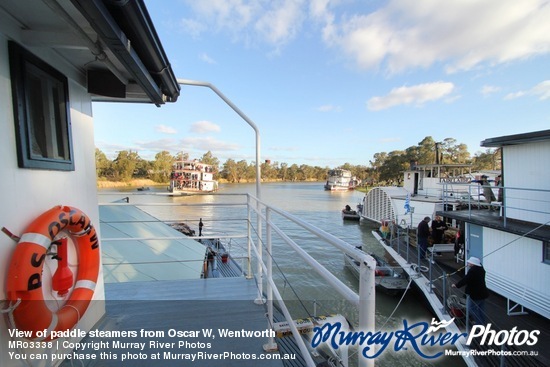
(24, 282)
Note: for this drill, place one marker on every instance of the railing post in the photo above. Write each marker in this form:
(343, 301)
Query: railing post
(444, 310)
(430, 274)
(367, 302)
(249, 241)
(271, 346)
(259, 271)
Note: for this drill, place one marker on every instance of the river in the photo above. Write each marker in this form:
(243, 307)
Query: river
(300, 285)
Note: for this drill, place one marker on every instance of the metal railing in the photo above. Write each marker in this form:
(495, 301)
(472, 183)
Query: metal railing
(259, 247)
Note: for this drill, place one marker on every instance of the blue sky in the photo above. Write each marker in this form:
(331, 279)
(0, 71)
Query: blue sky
(330, 82)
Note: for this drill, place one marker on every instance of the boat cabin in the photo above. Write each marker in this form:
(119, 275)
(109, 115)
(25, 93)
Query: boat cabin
(513, 242)
(56, 58)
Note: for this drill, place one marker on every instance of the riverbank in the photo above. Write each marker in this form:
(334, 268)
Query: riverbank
(142, 182)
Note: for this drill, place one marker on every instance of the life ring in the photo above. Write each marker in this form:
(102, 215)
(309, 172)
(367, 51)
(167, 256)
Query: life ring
(24, 281)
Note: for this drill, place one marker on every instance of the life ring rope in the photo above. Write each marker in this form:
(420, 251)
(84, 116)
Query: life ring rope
(28, 309)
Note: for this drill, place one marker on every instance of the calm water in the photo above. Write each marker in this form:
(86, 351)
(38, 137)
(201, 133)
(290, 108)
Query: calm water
(299, 284)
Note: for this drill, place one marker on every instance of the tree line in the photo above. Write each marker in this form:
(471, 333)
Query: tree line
(384, 168)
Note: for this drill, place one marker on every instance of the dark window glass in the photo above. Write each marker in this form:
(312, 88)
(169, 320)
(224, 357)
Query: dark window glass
(41, 110)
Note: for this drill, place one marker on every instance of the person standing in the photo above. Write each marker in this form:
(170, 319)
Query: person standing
(476, 289)
(438, 229)
(422, 234)
(487, 191)
(201, 224)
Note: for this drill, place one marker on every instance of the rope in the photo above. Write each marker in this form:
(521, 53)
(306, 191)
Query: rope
(11, 308)
(398, 304)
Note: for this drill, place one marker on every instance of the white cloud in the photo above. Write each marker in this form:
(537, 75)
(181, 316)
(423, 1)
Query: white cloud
(329, 108)
(541, 90)
(271, 22)
(281, 23)
(208, 143)
(461, 34)
(514, 95)
(397, 36)
(416, 95)
(206, 58)
(159, 145)
(165, 129)
(192, 27)
(203, 127)
(489, 89)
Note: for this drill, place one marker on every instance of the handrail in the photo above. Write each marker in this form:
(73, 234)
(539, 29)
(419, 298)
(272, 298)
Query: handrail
(364, 301)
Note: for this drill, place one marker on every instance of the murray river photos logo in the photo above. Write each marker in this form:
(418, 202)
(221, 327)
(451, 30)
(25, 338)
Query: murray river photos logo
(419, 337)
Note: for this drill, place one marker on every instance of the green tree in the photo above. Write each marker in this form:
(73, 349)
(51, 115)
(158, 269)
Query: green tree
(208, 158)
(162, 166)
(229, 171)
(181, 156)
(452, 152)
(426, 151)
(103, 166)
(125, 164)
(392, 170)
(490, 159)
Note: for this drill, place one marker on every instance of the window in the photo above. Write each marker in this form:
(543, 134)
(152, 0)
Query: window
(546, 252)
(41, 111)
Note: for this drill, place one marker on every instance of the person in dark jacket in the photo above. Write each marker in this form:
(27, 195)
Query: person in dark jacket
(476, 289)
(422, 234)
(438, 229)
(201, 224)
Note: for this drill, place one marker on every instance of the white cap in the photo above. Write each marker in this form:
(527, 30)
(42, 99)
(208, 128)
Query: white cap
(474, 261)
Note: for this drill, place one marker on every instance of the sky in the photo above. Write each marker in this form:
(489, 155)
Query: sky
(333, 82)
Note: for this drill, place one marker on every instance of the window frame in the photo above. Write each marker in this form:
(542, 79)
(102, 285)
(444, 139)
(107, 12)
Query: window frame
(546, 252)
(52, 107)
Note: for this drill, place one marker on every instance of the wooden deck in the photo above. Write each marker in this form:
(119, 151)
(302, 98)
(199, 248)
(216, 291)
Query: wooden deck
(446, 266)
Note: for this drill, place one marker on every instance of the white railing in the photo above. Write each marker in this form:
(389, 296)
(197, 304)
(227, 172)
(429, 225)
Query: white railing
(364, 302)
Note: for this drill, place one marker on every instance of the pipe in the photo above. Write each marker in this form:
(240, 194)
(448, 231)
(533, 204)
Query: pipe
(243, 116)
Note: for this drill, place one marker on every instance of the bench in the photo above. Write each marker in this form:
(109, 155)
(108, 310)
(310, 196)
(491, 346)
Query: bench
(441, 247)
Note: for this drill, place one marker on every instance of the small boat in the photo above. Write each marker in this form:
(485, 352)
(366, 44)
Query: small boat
(143, 188)
(349, 214)
(389, 278)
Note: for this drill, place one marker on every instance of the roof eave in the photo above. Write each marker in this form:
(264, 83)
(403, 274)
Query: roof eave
(109, 31)
(516, 139)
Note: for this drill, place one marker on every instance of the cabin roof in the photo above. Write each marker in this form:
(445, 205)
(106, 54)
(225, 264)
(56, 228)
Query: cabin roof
(516, 139)
(111, 45)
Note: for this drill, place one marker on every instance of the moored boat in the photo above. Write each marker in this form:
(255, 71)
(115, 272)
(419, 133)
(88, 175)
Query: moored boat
(389, 277)
(340, 180)
(192, 176)
(350, 214)
(426, 189)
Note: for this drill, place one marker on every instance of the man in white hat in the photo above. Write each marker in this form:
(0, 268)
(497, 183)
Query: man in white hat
(476, 289)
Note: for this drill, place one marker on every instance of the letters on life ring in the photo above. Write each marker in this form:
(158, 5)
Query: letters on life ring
(24, 280)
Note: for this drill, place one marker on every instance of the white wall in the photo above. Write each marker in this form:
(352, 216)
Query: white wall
(525, 167)
(516, 262)
(27, 193)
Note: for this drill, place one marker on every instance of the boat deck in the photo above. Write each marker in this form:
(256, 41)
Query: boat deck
(496, 307)
(184, 305)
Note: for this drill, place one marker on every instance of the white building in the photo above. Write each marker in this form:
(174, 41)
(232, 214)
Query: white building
(56, 57)
(515, 246)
